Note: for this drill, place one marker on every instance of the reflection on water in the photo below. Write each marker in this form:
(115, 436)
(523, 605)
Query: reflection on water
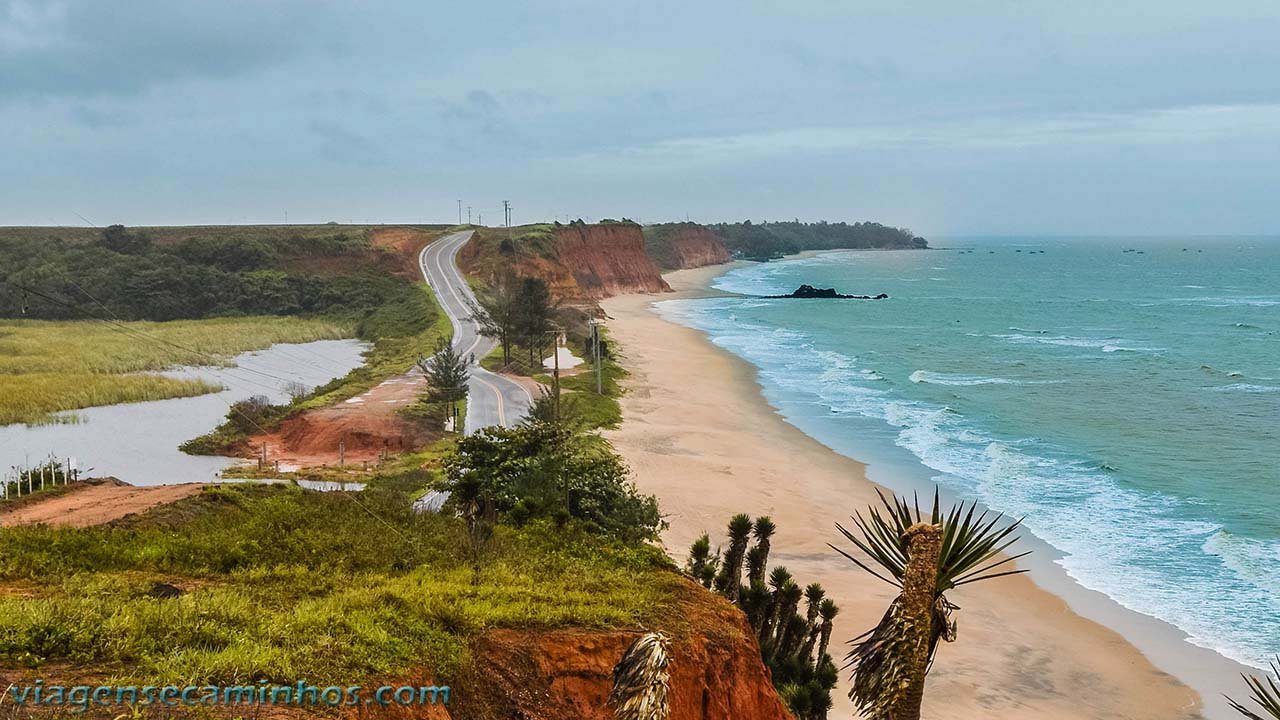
(138, 442)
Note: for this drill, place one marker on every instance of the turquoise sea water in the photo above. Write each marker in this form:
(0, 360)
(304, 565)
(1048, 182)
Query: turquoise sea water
(1123, 395)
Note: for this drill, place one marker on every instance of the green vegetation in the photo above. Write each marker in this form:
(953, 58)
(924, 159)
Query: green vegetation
(774, 239)
(1265, 693)
(924, 556)
(792, 644)
(447, 372)
(190, 273)
(281, 583)
(48, 367)
(545, 469)
(337, 277)
(657, 243)
(494, 251)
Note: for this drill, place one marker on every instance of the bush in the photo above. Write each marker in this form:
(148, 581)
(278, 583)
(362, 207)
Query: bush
(545, 470)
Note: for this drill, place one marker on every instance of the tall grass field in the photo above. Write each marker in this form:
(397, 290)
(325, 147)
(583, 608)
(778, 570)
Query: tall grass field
(48, 367)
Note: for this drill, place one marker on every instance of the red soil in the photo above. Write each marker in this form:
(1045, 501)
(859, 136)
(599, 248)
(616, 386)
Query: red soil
(364, 427)
(95, 502)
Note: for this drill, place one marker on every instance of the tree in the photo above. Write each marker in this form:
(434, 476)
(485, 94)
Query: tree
(545, 470)
(729, 582)
(447, 375)
(496, 313)
(1265, 693)
(117, 238)
(702, 564)
(923, 556)
(787, 639)
(534, 312)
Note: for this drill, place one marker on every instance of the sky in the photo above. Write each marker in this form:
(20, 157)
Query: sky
(1130, 117)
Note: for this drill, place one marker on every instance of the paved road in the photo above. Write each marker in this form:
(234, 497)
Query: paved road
(493, 399)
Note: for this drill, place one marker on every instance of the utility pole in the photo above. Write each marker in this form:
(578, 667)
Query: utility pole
(468, 214)
(555, 375)
(595, 353)
(459, 212)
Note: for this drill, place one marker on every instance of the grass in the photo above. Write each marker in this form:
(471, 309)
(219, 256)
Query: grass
(48, 367)
(401, 332)
(284, 583)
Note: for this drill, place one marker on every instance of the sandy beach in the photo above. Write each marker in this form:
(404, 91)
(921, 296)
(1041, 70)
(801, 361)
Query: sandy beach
(698, 433)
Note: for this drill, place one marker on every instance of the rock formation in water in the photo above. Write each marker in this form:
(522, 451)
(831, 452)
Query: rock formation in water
(809, 292)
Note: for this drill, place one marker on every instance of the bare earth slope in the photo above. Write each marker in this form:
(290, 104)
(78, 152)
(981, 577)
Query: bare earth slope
(95, 503)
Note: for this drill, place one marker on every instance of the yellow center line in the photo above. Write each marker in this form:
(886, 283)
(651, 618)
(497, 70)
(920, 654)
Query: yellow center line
(502, 416)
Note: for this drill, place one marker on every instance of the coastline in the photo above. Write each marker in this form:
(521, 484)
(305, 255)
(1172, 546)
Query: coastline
(1022, 648)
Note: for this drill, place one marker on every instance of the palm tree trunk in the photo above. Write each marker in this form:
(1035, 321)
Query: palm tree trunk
(919, 591)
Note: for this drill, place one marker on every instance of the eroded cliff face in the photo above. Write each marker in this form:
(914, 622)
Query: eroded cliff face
(605, 260)
(694, 246)
(581, 263)
(716, 671)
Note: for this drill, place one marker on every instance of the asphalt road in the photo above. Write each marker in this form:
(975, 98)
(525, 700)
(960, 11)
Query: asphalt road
(493, 399)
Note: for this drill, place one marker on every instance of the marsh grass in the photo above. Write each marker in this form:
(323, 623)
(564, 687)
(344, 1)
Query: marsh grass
(47, 367)
(284, 583)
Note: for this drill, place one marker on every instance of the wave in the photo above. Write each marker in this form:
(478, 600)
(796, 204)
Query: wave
(1151, 552)
(1247, 388)
(1107, 345)
(1134, 546)
(937, 378)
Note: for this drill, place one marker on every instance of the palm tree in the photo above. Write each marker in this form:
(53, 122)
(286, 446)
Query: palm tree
(641, 680)
(779, 577)
(923, 556)
(1265, 694)
(757, 560)
(827, 611)
(702, 563)
(730, 578)
(763, 530)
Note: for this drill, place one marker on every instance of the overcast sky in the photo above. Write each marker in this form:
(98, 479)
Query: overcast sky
(1137, 117)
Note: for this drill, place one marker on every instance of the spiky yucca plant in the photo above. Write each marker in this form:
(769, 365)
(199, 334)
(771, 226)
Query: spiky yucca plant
(1265, 693)
(641, 680)
(924, 556)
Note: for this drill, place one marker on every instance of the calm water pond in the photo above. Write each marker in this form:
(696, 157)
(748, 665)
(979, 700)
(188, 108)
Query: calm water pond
(138, 442)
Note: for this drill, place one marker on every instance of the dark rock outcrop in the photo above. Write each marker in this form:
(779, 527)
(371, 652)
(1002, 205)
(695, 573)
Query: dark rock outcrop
(809, 292)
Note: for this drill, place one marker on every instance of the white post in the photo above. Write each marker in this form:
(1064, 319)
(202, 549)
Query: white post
(42, 477)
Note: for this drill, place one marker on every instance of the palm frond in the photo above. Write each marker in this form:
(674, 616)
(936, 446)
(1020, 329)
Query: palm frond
(972, 543)
(970, 540)
(641, 680)
(1264, 692)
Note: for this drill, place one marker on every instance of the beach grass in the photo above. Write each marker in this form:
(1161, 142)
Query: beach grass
(51, 366)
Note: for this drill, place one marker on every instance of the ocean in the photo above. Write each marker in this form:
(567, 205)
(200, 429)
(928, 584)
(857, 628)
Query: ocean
(1122, 395)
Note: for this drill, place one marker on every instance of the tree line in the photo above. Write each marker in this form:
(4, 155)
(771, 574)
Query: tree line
(124, 274)
(774, 239)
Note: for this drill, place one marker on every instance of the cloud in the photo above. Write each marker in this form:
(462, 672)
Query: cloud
(1188, 125)
(95, 48)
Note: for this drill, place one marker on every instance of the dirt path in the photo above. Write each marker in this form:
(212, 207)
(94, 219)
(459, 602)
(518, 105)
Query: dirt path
(95, 504)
